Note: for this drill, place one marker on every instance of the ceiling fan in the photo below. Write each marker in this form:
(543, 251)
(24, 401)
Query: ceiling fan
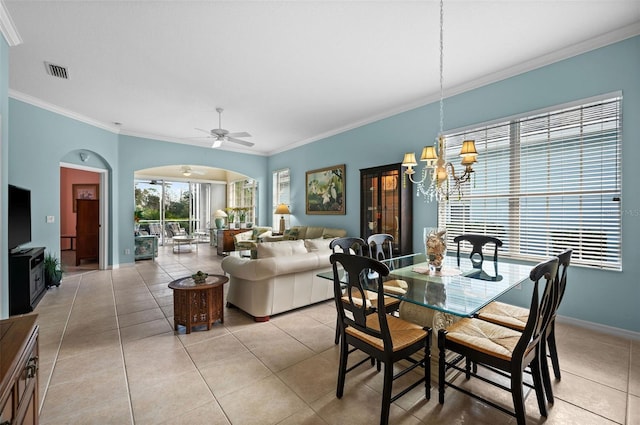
(221, 135)
(186, 171)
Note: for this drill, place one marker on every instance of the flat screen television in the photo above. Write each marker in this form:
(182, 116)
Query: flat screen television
(19, 219)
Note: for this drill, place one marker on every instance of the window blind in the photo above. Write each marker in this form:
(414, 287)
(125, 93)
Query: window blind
(546, 182)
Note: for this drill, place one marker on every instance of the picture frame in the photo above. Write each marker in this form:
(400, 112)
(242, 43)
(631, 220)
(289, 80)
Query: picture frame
(84, 191)
(325, 190)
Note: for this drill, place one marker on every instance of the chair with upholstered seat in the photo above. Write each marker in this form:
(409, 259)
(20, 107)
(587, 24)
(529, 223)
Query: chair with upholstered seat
(368, 328)
(516, 317)
(357, 246)
(477, 244)
(501, 349)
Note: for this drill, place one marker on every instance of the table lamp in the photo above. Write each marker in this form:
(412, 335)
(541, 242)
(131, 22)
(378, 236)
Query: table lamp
(219, 216)
(282, 209)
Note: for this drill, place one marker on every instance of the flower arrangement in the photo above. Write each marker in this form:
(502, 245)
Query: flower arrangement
(436, 247)
(200, 277)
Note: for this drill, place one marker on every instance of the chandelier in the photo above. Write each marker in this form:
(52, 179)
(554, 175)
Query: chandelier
(443, 181)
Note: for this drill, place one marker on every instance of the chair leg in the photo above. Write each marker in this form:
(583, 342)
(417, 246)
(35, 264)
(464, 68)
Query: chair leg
(441, 366)
(517, 396)
(337, 340)
(536, 374)
(386, 393)
(553, 350)
(544, 371)
(344, 354)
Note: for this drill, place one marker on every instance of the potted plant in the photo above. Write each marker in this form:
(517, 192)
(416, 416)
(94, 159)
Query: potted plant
(231, 215)
(52, 270)
(242, 215)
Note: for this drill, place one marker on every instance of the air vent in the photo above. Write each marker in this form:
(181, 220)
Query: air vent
(56, 70)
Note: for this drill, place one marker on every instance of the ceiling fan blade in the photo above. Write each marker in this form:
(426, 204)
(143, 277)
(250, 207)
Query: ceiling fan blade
(239, 134)
(240, 142)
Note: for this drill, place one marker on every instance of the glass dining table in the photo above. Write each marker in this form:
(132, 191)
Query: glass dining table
(460, 289)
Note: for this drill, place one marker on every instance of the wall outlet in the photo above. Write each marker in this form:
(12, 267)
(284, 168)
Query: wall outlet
(51, 218)
(127, 251)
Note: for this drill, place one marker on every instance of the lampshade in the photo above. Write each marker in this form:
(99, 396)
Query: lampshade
(468, 148)
(409, 160)
(428, 154)
(282, 209)
(219, 214)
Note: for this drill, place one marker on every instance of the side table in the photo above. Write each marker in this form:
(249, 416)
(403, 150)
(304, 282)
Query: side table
(198, 304)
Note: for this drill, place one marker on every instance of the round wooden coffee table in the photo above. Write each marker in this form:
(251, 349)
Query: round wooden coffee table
(198, 304)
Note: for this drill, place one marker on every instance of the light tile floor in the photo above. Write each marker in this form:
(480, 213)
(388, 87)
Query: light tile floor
(109, 355)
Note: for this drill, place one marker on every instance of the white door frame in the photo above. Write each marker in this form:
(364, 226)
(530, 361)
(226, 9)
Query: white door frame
(104, 209)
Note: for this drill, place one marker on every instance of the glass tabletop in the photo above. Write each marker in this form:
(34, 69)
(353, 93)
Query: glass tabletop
(460, 290)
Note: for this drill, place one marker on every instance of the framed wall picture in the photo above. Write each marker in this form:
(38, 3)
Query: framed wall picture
(325, 190)
(84, 191)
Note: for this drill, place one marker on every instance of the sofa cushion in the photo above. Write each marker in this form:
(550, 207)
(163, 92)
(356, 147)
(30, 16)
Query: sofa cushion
(318, 244)
(314, 232)
(329, 233)
(280, 249)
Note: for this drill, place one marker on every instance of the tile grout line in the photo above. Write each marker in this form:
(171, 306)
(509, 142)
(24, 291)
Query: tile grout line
(124, 364)
(55, 357)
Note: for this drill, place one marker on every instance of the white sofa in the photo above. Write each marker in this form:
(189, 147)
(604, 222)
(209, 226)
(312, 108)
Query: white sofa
(281, 278)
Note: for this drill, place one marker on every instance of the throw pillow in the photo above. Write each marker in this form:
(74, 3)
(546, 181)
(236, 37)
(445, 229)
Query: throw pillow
(292, 234)
(318, 244)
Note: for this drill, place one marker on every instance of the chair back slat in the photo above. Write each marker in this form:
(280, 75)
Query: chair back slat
(564, 260)
(358, 270)
(477, 243)
(380, 246)
(348, 244)
(542, 306)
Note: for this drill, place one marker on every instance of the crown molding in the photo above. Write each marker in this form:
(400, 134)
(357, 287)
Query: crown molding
(8, 28)
(61, 111)
(539, 62)
(576, 49)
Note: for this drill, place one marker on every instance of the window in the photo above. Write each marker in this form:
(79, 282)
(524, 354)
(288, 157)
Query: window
(243, 194)
(281, 194)
(545, 182)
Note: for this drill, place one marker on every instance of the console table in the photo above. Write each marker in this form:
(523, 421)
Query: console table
(225, 242)
(198, 303)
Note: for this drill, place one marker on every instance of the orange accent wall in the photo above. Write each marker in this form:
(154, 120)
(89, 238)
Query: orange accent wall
(69, 177)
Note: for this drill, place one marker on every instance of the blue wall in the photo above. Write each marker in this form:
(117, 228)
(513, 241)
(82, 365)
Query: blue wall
(39, 140)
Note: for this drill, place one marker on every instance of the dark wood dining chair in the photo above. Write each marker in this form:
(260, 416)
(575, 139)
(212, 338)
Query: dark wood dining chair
(501, 349)
(516, 317)
(381, 248)
(477, 244)
(368, 328)
(357, 246)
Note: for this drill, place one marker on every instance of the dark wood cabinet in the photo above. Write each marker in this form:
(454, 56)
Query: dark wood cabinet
(386, 205)
(26, 280)
(19, 370)
(87, 230)
(225, 241)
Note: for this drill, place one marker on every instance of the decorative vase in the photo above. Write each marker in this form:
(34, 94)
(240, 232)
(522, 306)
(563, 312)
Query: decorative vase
(219, 223)
(435, 241)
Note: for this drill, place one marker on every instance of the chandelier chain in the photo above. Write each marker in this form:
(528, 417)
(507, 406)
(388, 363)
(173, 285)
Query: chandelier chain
(441, 67)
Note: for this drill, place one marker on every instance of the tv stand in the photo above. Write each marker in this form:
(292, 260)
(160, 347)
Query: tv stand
(26, 280)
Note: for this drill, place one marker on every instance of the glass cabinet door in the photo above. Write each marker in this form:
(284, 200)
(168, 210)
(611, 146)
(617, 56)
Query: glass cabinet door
(386, 206)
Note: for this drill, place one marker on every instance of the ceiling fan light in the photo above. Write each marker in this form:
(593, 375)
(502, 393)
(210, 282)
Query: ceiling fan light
(217, 143)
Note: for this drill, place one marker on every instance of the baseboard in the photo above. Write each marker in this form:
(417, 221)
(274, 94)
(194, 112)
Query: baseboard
(610, 330)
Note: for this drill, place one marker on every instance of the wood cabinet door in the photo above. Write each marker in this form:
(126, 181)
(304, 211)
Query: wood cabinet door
(87, 229)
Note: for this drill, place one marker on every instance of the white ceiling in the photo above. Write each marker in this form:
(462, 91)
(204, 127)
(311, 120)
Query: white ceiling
(287, 72)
